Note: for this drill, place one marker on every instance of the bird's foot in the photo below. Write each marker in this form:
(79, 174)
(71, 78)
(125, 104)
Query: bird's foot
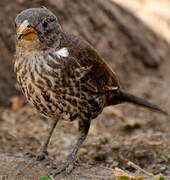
(41, 155)
(66, 166)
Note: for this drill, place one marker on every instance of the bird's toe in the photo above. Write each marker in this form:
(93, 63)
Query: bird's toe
(64, 167)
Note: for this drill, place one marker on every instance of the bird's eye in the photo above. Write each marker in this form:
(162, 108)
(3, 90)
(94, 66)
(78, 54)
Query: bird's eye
(28, 26)
(45, 24)
(15, 25)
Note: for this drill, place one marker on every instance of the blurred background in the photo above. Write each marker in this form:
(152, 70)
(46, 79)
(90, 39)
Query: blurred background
(133, 37)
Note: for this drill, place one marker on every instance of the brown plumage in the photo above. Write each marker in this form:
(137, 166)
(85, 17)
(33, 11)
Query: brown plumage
(63, 76)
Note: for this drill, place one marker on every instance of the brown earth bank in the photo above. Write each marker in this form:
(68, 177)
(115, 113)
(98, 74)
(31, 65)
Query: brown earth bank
(140, 57)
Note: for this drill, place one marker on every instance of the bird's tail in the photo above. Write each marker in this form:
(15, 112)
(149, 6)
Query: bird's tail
(127, 97)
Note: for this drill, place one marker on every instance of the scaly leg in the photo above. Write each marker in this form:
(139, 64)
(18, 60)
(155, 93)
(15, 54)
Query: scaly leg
(43, 151)
(69, 162)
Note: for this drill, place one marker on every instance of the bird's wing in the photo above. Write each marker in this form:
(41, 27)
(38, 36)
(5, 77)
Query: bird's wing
(100, 76)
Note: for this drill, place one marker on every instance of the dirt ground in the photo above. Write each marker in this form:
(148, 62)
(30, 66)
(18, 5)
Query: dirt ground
(120, 134)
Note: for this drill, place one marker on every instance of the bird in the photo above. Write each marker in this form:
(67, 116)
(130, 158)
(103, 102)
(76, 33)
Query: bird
(64, 77)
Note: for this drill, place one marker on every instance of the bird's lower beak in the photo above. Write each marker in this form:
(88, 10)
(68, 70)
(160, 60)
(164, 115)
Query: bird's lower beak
(26, 32)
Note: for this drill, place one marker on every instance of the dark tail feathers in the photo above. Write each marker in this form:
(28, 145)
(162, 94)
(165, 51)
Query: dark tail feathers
(126, 97)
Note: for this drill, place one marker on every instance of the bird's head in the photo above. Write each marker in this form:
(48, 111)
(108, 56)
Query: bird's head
(37, 24)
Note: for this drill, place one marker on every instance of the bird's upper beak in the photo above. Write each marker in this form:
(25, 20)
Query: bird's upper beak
(26, 32)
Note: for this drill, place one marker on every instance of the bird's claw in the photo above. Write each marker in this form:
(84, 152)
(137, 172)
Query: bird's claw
(30, 154)
(38, 156)
(66, 166)
(41, 155)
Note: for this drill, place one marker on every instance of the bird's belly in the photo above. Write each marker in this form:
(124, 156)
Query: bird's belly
(46, 100)
(60, 99)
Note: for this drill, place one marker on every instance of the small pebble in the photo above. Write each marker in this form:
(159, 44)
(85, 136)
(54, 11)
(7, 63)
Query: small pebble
(104, 139)
(82, 151)
(109, 160)
(139, 153)
(114, 164)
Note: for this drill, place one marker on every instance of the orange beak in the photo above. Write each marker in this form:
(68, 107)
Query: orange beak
(26, 32)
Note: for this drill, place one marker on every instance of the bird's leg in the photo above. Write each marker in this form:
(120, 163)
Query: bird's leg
(43, 150)
(69, 162)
